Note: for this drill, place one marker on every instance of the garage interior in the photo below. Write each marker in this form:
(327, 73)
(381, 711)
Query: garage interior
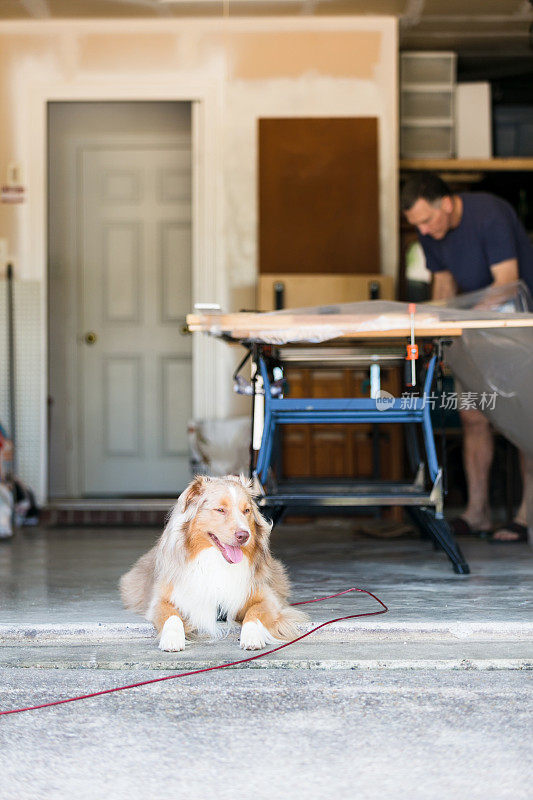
(290, 200)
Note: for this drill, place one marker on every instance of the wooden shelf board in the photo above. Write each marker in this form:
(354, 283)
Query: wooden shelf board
(459, 164)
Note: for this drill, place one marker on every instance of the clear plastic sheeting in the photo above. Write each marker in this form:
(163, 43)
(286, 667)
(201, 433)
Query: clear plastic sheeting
(342, 320)
(495, 302)
(509, 297)
(371, 316)
(498, 361)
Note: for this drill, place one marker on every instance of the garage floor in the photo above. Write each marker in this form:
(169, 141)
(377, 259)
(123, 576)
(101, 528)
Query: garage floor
(64, 582)
(431, 700)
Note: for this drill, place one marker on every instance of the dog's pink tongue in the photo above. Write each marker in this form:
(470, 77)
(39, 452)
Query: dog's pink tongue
(234, 554)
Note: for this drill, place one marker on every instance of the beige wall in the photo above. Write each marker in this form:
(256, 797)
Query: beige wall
(322, 67)
(248, 69)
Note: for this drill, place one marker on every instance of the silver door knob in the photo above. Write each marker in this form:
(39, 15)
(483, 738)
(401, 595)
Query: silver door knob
(90, 337)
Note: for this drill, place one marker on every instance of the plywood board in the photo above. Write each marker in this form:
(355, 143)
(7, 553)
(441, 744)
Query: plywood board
(318, 195)
(309, 327)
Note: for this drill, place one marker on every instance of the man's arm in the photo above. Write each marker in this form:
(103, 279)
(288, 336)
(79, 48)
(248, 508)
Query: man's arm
(444, 285)
(504, 272)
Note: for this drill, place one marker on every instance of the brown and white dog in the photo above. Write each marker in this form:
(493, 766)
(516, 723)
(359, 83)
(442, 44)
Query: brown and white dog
(213, 561)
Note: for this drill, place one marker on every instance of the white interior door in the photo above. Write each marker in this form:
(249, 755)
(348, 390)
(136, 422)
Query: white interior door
(135, 290)
(119, 222)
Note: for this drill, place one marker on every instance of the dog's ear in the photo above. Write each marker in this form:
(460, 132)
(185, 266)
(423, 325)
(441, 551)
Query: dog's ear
(246, 482)
(263, 525)
(193, 491)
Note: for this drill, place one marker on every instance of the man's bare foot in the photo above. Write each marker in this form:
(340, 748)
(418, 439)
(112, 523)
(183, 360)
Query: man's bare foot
(478, 522)
(515, 532)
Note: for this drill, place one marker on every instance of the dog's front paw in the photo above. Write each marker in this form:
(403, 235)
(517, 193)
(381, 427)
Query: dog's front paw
(254, 636)
(173, 635)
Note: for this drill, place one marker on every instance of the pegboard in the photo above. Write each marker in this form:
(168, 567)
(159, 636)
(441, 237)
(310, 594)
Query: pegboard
(29, 349)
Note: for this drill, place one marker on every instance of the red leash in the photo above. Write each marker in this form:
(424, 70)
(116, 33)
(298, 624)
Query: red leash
(219, 666)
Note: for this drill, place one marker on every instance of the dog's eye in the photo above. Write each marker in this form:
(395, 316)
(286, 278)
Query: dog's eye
(222, 510)
(247, 510)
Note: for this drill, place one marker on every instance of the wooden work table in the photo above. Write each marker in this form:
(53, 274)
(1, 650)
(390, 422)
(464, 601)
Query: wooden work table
(271, 328)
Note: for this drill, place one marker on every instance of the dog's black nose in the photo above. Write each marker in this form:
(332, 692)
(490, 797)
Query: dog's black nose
(242, 536)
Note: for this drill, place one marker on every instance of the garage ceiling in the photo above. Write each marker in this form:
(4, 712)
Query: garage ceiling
(490, 26)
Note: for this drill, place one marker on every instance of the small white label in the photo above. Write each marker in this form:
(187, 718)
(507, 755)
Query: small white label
(207, 307)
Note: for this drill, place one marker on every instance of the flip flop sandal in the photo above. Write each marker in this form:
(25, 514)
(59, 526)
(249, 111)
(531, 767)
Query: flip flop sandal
(460, 527)
(514, 527)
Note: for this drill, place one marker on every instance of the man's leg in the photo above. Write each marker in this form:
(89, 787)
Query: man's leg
(478, 449)
(504, 534)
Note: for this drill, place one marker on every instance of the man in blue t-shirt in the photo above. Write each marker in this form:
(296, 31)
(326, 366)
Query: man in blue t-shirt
(471, 241)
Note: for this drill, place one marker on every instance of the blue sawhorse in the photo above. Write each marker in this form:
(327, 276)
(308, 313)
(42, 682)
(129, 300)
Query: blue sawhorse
(425, 507)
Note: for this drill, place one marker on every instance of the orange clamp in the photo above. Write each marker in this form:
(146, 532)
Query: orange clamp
(412, 352)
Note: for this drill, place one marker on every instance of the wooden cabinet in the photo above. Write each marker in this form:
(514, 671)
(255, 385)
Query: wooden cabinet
(340, 451)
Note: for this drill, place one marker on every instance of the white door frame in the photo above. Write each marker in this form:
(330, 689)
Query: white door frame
(208, 275)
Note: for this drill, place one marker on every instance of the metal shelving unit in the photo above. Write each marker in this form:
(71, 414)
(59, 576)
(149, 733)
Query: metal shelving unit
(427, 104)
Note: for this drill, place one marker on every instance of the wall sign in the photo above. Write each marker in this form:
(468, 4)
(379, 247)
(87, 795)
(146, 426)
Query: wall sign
(12, 194)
